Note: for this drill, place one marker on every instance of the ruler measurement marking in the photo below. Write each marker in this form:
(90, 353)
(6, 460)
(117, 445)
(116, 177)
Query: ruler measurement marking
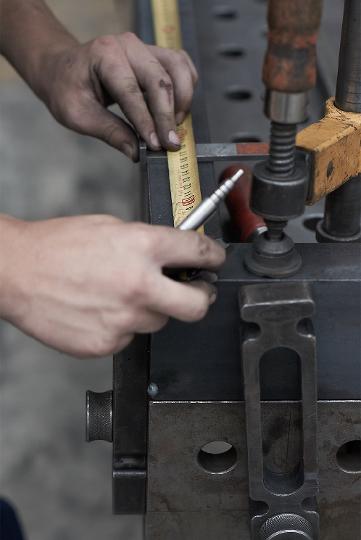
(182, 165)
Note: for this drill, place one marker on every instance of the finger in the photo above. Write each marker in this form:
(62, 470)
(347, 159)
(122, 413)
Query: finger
(157, 84)
(120, 82)
(123, 342)
(186, 249)
(177, 65)
(150, 322)
(185, 302)
(98, 122)
(192, 67)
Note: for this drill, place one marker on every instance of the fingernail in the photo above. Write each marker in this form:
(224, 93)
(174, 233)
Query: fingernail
(179, 117)
(154, 141)
(173, 138)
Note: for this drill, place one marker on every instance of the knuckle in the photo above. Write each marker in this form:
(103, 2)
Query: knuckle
(105, 43)
(145, 238)
(102, 220)
(203, 246)
(129, 37)
(109, 132)
(131, 86)
(139, 291)
(180, 58)
(133, 292)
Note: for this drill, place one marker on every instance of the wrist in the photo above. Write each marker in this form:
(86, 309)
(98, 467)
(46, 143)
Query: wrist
(31, 36)
(12, 255)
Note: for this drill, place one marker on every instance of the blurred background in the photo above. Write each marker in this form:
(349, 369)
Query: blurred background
(60, 485)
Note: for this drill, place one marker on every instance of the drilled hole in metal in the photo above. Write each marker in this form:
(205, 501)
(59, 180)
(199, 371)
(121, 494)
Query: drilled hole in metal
(310, 222)
(238, 93)
(349, 457)
(225, 12)
(244, 137)
(231, 50)
(251, 331)
(305, 327)
(217, 457)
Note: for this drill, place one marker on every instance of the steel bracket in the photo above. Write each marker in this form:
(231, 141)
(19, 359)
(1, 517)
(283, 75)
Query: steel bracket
(277, 315)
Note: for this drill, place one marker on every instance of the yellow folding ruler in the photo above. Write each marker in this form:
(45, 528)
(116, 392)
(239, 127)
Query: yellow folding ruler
(183, 167)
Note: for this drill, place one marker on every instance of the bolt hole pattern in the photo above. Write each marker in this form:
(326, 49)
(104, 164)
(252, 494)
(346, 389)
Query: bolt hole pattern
(238, 93)
(244, 137)
(231, 50)
(224, 11)
(217, 457)
(349, 457)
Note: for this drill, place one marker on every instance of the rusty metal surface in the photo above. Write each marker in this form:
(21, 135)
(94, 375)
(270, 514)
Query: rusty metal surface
(290, 62)
(187, 503)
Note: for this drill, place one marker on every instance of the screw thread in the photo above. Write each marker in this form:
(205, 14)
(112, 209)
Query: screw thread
(282, 148)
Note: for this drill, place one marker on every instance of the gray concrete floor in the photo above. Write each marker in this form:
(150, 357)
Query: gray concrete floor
(60, 484)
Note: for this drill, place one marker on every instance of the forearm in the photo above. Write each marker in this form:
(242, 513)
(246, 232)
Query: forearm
(29, 36)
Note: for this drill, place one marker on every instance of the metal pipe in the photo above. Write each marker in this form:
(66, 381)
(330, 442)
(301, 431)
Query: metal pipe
(342, 217)
(348, 90)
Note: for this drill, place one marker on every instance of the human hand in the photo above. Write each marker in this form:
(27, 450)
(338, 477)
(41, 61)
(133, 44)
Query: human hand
(153, 87)
(85, 285)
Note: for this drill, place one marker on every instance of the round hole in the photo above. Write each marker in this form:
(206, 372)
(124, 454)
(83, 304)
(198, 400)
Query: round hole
(349, 457)
(231, 50)
(244, 137)
(310, 222)
(225, 12)
(217, 457)
(238, 93)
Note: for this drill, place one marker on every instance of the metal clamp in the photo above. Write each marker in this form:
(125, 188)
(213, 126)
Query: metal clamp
(277, 315)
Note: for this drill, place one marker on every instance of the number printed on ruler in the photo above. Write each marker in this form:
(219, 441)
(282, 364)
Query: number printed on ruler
(183, 172)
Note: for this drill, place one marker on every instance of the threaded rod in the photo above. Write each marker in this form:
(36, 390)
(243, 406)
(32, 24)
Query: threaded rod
(282, 148)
